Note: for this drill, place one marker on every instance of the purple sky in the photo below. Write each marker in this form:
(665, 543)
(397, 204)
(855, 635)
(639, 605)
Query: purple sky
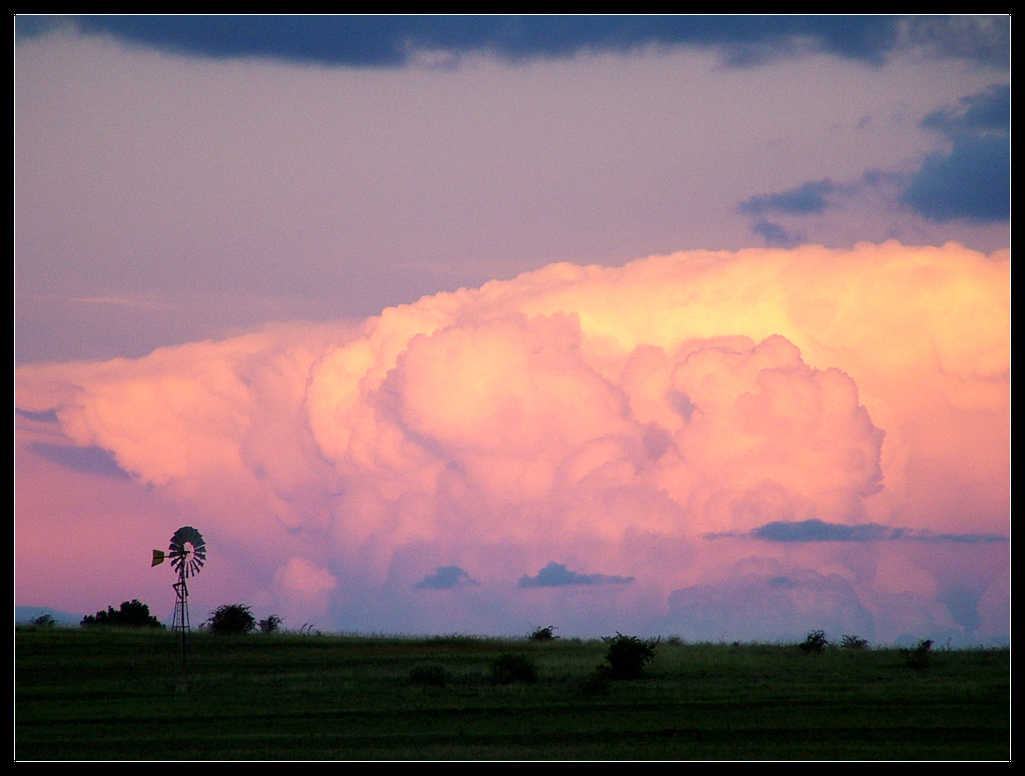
(164, 194)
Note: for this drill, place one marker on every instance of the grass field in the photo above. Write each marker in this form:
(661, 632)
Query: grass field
(111, 694)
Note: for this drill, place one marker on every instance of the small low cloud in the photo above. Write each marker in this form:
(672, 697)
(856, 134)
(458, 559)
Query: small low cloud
(48, 416)
(821, 531)
(818, 531)
(775, 234)
(558, 575)
(806, 199)
(88, 460)
(445, 578)
(910, 534)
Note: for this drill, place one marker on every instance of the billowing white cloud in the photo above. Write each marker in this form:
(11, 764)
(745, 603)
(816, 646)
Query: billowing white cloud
(608, 417)
(302, 588)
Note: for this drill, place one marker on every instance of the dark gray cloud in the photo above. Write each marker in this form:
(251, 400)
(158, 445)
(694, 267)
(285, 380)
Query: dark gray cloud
(806, 199)
(50, 416)
(988, 111)
(89, 460)
(913, 535)
(973, 180)
(982, 39)
(821, 531)
(558, 575)
(445, 578)
(818, 531)
(775, 234)
(390, 41)
(970, 181)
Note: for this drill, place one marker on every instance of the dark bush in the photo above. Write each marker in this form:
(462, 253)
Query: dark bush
(918, 658)
(271, 625)
(854, 642)
(513, 668)
(132, 614)
(231, 620)
(628, 655)
(43, 621)
(429, 675)
(814, 643)
(544, 634)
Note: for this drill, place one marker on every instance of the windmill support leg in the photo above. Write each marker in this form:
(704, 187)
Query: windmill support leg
(180, 620)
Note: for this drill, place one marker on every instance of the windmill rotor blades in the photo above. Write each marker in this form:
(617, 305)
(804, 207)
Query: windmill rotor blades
(190, 535)
(187, 551)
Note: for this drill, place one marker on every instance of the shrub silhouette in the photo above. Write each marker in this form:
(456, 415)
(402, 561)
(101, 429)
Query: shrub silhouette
(627, 656)
(513, 668)
(815, 642)
(43, 621)
(271, 625)
(918, 658)
(132, 614)
(544, 634)
(231, 620)
(854, 642)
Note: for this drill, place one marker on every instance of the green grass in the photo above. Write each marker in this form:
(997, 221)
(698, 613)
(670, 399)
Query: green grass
(115, 695)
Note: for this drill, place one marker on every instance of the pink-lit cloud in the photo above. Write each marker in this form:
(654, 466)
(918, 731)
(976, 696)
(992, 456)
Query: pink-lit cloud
(637, 427)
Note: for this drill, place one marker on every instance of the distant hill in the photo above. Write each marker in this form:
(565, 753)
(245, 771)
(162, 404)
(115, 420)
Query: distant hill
(25, 614)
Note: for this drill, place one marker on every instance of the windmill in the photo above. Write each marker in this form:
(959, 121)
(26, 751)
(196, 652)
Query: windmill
(187, 553)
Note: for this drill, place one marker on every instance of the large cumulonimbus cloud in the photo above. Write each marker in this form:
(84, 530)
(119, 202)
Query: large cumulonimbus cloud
(613, 418)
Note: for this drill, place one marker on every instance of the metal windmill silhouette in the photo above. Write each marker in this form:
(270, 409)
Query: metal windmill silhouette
(187, 553)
